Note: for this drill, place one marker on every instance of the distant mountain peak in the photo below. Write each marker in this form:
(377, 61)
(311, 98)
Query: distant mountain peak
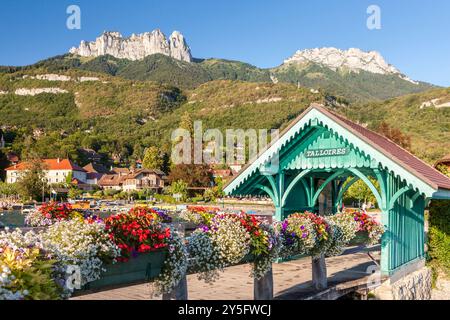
(353, 59)
(136, 47)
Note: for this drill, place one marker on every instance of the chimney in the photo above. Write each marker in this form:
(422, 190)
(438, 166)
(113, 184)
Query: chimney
(58, 160)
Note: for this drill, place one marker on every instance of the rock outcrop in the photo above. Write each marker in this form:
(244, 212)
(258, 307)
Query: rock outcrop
(136, 47)
(353, 59)
(36, 91)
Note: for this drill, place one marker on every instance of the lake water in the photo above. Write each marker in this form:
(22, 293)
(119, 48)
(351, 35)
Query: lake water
(12, 219)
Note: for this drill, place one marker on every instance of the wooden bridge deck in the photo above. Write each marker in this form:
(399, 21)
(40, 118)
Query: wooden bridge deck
(292, 281)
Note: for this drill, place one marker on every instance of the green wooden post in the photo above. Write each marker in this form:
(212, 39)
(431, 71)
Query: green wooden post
(279, 213)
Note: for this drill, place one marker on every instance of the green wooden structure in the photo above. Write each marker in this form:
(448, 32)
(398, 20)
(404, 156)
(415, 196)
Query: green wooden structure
(319, 151)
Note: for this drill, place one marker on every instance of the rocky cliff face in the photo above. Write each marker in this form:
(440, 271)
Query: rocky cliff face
(136, 47)
(352, 59)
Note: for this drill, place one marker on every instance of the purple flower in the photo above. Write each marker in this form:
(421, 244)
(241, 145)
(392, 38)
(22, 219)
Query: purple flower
(304, 235)
(302, 227)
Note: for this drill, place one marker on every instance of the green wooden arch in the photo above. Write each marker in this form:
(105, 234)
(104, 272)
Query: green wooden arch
(307, 191)
(292, 185)
(397, 195)
(320, 189)
(274, 188)
(370, 185)
(268, 191)
(345, 188)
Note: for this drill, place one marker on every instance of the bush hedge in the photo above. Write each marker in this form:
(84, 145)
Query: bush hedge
(439, 236)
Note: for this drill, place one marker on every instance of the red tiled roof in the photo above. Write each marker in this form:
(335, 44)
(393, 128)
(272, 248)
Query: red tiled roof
(121, 170)
(393, 151)
(12, 157)
(94, 175)
(136, 173)
(50, 164)
(110, 180)
(95, 168)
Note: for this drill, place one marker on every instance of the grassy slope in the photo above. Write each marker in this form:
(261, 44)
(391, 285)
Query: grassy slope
(429, 127)
(356, 87)
(144, 112)
(361, 86)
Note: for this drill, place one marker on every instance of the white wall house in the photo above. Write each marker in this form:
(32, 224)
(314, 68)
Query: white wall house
(56, 171)
(144, 179)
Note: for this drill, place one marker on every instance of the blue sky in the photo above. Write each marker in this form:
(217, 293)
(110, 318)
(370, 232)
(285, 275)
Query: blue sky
(414, 36)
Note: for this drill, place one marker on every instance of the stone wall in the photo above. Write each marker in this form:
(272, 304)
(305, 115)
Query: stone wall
(414, 286)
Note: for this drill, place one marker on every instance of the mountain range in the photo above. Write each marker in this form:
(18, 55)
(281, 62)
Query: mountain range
(353, 74)
(120, 95)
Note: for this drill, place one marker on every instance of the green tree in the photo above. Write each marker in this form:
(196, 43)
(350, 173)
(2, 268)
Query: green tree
(74, 193)
(69, 179)
(195, 175)
(361, 192)
(152, 158)
(186, 122)
(8, 189)
(444, 169)
(211, 194)
(32, 185)
(179, 187)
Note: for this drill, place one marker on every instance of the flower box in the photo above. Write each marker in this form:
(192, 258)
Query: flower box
(361, 238)
(140, 269)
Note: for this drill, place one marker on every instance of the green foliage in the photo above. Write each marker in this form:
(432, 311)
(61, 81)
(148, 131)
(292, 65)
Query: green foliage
(118, 118)
(110, 192)
(8, 189)
(31, 273)
(32, 183)
(439, 235)
(428, 127)
(211, 194)
(362, 86)
(74, 193)
(444, 169)
(360, 191)
(152, 158)
(179, 187)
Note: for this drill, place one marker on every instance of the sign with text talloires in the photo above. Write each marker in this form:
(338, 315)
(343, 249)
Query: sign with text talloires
(326, 152)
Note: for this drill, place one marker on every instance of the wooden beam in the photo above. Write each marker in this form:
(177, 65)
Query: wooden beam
(292, 185)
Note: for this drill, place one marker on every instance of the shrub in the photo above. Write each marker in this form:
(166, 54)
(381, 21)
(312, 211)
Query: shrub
(439, 236)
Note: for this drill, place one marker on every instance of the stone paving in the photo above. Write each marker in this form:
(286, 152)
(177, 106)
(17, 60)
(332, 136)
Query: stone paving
(292, 280)
(442, 290)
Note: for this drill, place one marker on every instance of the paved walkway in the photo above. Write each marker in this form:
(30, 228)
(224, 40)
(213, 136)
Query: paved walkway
(292, 280)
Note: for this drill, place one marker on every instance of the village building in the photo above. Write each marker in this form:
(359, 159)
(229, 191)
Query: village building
(90, 155)
(120, 171)
(95, 172)
(12, 158)
(110, 182)
(56, 171)
(141, 179)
